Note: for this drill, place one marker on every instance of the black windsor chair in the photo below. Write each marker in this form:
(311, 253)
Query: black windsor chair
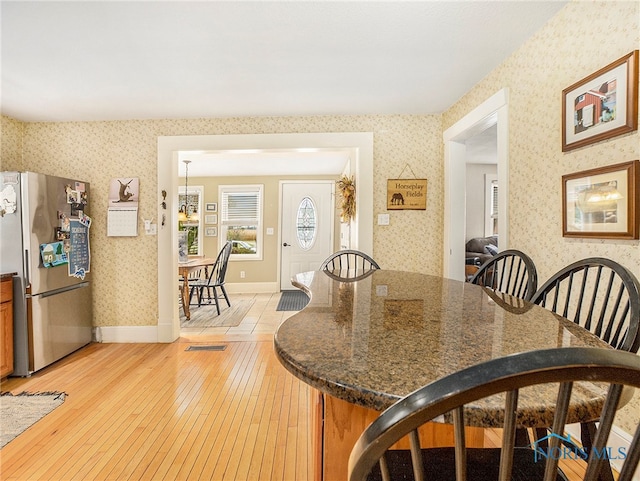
(349, 264)
(216, 280)
(459, 396)
(603, 297)
(511, 271)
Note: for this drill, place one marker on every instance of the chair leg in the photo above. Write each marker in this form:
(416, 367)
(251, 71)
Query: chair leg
(540, 435)
(215, 296)
(522, 439)
(200, 296)
(587, 434)
(209, 293)
(226, 297)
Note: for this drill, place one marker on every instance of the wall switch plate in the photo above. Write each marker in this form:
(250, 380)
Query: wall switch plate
(383, 219)
(149, 228)
(269, 230)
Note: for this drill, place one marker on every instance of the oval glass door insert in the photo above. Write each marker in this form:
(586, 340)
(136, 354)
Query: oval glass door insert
(306, 223)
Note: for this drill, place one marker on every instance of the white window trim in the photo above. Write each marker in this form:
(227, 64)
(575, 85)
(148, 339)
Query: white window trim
(222, 228)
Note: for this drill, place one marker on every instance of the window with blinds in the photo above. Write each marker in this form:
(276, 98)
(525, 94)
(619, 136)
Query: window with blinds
(491, 205)
(494, 199)
(241, 219)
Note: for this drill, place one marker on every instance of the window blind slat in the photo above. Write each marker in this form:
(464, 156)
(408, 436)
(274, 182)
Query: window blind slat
(240, 207)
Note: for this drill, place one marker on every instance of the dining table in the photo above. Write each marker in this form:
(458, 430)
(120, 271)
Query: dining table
(363, 343)
(184, 269)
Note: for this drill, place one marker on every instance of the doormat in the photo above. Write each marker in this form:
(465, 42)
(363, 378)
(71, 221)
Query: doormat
(207, 316)
(20, 411)
(292, 301)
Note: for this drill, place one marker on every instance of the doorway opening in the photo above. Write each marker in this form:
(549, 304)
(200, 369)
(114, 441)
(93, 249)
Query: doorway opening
(492, 112)
(169, 149)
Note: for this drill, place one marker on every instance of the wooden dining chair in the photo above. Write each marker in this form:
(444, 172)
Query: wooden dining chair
(598, 294)
(349, 263)
(510, 271)
(458, 399)
(603, 297)
(215, 280)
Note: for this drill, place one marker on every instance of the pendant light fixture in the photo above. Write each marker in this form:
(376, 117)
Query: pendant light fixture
(184, 214)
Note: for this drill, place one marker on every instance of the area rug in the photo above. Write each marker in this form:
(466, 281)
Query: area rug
(292, 301)
(19, 412)
(207, 316)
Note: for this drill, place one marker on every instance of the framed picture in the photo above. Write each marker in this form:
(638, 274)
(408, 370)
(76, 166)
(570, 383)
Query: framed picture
(210, 231)
(211, 219)
(407, 194)
(602, 202)
(211, 207)
(602, 105)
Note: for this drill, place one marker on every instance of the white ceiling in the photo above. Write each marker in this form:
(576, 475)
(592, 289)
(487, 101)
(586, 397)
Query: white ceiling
(264, 162)
(120, 60)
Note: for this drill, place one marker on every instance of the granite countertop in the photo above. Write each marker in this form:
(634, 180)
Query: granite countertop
(374, 341)
(7, 275)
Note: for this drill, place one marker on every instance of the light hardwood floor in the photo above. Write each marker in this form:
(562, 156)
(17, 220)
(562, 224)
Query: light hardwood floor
(160, 412)
(157, 411)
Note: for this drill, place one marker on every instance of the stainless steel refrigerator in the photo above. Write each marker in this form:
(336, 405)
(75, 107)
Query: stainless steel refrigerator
(44, 234)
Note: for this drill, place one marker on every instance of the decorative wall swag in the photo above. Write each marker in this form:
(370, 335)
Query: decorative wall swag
(347, 188)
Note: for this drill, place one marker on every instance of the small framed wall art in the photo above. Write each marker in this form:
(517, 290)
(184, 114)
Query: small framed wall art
(210, 231)
(602, 105)
(211, 219)
(211, 207)
(602, 202)
(407, 194)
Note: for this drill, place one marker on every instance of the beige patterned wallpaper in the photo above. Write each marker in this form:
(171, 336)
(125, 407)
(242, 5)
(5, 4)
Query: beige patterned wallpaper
(11, 144)
(125, 269)
(582, 38)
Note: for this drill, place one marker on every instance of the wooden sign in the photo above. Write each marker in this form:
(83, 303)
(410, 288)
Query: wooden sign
(407, 194)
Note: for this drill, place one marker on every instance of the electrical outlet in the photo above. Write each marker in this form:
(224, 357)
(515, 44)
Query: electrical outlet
(241, 274)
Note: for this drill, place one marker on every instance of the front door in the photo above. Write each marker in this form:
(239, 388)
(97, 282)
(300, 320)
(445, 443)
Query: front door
(307, 227)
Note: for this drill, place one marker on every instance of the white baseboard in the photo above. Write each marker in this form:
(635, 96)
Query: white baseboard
(127, 334)
(252, 287)
(164, 332)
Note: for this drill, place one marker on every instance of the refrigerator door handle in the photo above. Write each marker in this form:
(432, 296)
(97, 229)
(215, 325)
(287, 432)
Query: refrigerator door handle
(27, 266)
(62, 289)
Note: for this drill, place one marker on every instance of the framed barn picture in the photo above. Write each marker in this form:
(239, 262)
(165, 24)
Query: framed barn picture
(602, 105)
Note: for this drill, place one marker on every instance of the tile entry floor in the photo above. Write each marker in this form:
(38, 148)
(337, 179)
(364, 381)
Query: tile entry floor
(262, 318)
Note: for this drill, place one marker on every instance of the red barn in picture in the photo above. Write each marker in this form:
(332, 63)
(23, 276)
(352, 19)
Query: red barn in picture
(595, 106)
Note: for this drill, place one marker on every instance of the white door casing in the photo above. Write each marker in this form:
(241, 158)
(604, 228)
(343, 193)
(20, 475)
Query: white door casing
(295, 257)
(495, 110)
(168, 327)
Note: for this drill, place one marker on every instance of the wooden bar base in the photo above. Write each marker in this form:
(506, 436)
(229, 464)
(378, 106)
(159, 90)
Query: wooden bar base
(337, 425)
